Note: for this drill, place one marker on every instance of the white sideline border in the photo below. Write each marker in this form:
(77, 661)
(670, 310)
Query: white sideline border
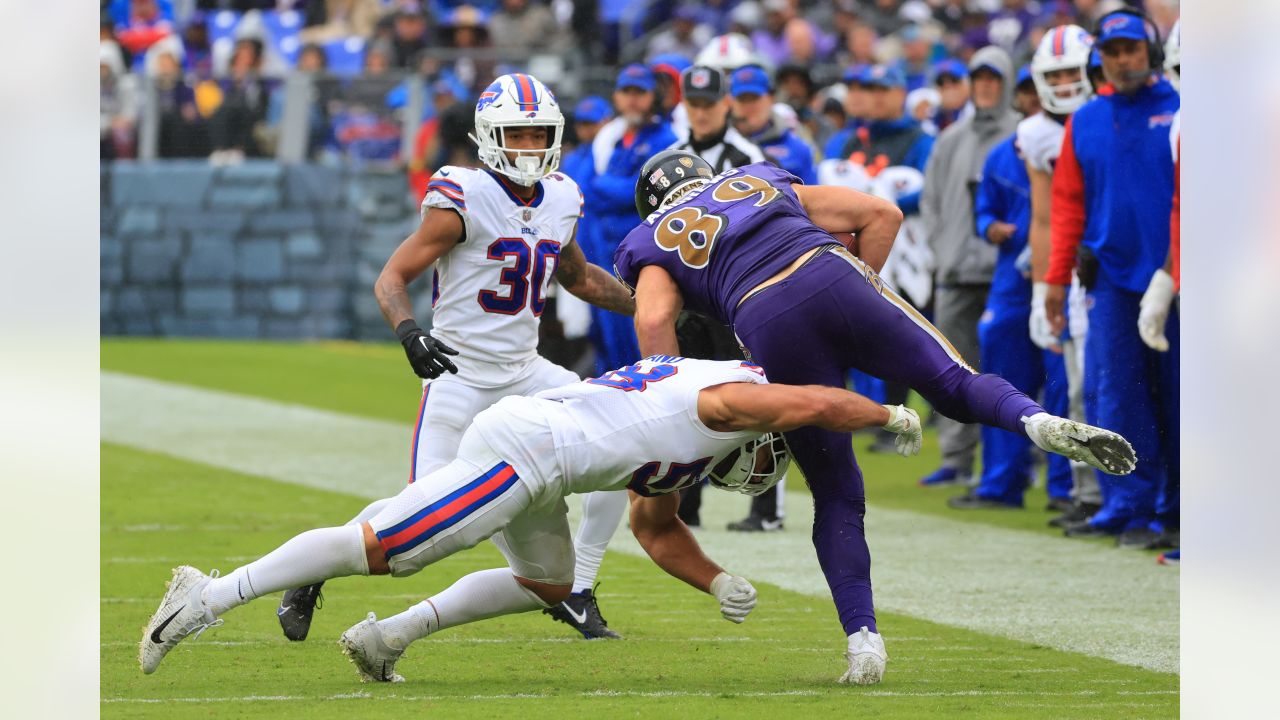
(1067, 595)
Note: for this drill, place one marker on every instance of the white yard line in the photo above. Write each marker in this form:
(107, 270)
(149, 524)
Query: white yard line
(1069, 595)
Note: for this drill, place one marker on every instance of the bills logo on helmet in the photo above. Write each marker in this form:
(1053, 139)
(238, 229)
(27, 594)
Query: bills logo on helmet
(489, 96)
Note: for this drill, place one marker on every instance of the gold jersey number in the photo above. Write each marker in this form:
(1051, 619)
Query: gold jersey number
(692, 232)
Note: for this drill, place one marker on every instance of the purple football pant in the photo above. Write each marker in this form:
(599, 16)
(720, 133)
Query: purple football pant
(828, 317)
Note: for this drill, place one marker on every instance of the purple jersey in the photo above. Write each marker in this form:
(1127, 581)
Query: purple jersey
(723, 239)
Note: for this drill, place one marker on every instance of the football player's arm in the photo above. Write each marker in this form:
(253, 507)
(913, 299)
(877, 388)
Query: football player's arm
(436, 235)
(1066, 228)
(591, 283)
(439, 231)
(668, 540)
(873, 220)
(658, 304)
(1042, 333)
(738, 406)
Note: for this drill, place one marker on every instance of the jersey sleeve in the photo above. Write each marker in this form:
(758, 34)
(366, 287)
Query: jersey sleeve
(1067, 212)
(447, 189)
(631, 256)
(568, 203)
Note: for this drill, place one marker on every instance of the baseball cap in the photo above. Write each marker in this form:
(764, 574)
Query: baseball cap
(751, 79)
(1121, 25)
(635, 75)
(952, 67)
(852, 73)
(688, 12)
(1024, 75)
(703, 83)
(591, 109)
(885, 76)
(675, 61)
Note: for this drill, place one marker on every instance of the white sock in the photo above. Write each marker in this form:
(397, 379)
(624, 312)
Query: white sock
(601, 513)
(1031, 424)
(309, 558)
(370, 511)
(480, 595)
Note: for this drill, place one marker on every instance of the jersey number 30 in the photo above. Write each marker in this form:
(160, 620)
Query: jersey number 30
(516, 276)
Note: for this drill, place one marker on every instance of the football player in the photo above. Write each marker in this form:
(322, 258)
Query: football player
(496, 237)
(1060, 70)
(650, 428)
(753, 248)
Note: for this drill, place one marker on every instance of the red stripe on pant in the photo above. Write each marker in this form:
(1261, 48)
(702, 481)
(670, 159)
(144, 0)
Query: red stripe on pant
(446, 512)
(417, 428)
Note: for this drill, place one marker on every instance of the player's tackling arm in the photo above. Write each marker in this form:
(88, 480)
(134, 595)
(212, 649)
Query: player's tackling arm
(658, 304)
(436, 235)
(668, 540)
(738, 406)
(591, 282)
(874, 221)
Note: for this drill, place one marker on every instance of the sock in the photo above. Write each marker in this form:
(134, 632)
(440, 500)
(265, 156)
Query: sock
(480, 595)
(306, 559)
(370, 510)
(601, 513)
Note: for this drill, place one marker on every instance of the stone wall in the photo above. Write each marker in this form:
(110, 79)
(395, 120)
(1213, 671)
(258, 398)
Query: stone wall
(258, 250)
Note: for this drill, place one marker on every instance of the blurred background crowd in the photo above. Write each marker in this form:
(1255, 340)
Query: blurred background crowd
(914, 100)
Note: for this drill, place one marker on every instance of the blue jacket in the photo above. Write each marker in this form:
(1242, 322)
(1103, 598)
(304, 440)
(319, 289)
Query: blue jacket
(577, 165)
(785, 149)
(1005, 195)
(614, 192)
(1113, 187)
(886, 143)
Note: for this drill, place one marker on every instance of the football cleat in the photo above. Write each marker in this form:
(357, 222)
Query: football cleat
(973, 501)
(756, 523)
(296, 608)
(1100, 448)
(867, 658)
(182, 612)
(363, 644)
(1077, 514)
(945, 476)
(581, 612)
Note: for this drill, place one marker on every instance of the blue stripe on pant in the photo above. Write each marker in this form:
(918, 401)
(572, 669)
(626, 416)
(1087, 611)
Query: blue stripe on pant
(1007, 351)
(1133, 390)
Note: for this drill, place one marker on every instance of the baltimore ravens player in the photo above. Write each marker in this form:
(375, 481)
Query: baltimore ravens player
(753, 247)
(495, 237)
(650, 428)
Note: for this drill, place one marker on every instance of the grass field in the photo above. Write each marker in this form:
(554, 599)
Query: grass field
(160, 509)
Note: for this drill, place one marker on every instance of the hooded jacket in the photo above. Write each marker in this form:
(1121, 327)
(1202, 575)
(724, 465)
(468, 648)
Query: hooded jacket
(952, 176)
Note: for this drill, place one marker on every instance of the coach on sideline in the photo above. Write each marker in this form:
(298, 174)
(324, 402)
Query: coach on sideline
(1112, 193)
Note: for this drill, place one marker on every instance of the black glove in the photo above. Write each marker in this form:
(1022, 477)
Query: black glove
(427, 355)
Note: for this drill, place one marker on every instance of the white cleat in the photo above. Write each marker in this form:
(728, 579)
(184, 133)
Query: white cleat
(1102, 449)
(182, 612)
(363, 644)
(866, 658)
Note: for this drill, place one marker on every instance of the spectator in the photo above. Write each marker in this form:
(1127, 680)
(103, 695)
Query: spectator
(118, 104)
(882, 15)
(1010, 27)
(182, 132)
(140, 24)
(951, 78)
(465, 30)
(427, 144)
(525, 27)
(706, 101)
(860, 45)
(922, 105)
(1002, 207)
(244, 106)
(795, 88)
(753, 108)
(620, 149)
(591, 114)
(856, 99)
(409, 35)
(685, 37)
(666, 71)
(198, 58)
(745, 18)
(965, 261)
(787, 37)
(914, 63)
(328, 20)
(1112, 197)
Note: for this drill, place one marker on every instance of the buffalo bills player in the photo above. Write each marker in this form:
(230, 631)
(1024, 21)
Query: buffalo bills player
(753, 247)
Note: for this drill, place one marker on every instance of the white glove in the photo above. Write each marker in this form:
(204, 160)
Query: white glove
(1153, 311)
(905, 423)
(736, 596)
(1041, 334)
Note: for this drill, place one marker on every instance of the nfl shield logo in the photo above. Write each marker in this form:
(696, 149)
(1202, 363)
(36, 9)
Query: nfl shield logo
(700, 78)
(526, 215)
(686, 162)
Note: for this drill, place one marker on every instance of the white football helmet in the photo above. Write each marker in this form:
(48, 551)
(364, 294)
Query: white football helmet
(1062, 48)
(754, 467)
(728, 53)
(518, 100)
(1173, 55)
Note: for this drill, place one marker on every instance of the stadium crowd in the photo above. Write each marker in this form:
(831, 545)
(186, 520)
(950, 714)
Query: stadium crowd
(926, 102)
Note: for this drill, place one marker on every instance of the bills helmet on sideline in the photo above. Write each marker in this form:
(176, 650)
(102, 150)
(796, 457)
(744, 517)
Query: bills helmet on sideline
(728, 53)
(665, 173)
(1064, 47)
(518, 100)
(1173, 55)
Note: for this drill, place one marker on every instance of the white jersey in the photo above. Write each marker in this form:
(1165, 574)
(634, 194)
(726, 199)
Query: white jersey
(489, 291)
(636, 427)
(1040, 141)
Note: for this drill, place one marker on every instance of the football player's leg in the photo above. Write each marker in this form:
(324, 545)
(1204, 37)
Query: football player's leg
(1168, 506)
(1085, 490)
(540, 558)
(957, 310)
(1056, 402)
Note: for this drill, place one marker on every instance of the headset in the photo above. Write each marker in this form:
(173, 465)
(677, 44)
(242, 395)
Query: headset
(1155, 44)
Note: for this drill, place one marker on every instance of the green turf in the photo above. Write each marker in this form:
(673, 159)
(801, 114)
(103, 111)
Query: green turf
(679, 656)
(373, 380)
